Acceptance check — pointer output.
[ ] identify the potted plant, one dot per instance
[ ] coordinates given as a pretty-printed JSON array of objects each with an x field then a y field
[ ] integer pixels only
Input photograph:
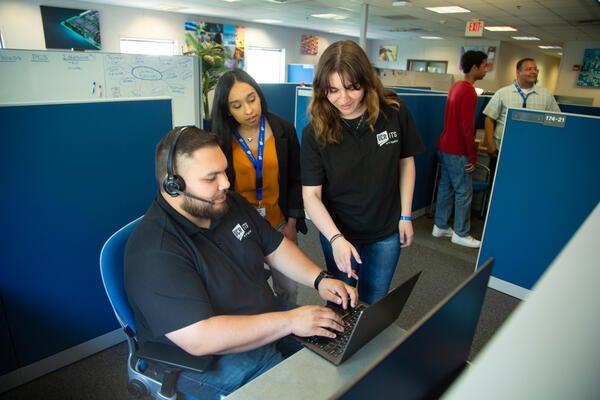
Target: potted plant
[{"x": 212, "y": 56}]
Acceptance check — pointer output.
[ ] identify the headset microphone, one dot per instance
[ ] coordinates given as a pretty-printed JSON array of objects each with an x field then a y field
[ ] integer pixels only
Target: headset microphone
[
  {"x": 186, "y": 194},
  {"x": 173, "y": 184}
]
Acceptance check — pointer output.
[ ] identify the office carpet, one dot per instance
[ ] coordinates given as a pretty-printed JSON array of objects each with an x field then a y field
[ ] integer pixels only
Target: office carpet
[{"x": 444, "y": 266}]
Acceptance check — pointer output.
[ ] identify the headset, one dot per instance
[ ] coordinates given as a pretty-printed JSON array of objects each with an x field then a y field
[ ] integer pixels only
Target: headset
[{"x": 174, "y": 184}]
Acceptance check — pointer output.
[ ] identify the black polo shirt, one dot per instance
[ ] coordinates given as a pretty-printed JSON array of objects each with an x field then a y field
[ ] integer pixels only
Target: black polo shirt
[
  {"x": 360, "y": 176},
  {"x": 177, "y": 274}
]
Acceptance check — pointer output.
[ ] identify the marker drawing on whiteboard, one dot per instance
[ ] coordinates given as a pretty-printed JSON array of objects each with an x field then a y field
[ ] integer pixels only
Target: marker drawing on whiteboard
[{"x": 93, "y": 88}]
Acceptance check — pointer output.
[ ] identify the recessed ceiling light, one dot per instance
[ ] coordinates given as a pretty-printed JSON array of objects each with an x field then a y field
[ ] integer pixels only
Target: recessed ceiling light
[
  {"x": 231, "y": 1},
  {"x": 431, "y": 37},
  {"x": 267, "y": 21},
  {"x": 500, "y": 28},
  {"x": 328, "y": 16},
  {"x": 448, "y": 10},
  {"x": 399, "y": 3},
  {"x": 550, "y": 47},
  {"x": 169, "y": 7},
  {"x": 526, "y": 38}
]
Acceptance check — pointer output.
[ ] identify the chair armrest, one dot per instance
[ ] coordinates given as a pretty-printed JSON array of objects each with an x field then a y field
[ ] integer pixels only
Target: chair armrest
[{"x": 173, "y": 357}]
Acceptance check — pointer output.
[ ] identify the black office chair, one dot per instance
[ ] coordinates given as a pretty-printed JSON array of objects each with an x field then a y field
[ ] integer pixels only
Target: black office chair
[
  {"x": 152, "y": 368},
  {"x": 481, "y": 184}
]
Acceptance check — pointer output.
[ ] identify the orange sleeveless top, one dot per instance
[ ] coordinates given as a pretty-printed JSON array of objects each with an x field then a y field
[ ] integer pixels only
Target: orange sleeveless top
[{"x": 245, "y": 177}]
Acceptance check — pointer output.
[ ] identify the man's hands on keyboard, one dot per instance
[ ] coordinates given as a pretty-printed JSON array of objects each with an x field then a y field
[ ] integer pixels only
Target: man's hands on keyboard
[{"x": 316, "y": 321}]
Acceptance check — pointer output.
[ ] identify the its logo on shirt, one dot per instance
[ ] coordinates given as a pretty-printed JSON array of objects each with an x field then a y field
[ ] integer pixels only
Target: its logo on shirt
[
  {"x": 386, "y": 137},
  {"x": 240, "y": 231}
]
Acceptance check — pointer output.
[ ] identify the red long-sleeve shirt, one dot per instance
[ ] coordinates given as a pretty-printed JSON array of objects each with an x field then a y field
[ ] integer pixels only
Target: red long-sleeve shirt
[{"x": 458, "y": 136}]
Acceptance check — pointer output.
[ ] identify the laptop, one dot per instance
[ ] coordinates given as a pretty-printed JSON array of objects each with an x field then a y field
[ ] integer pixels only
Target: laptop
[
  {"x": 363, "y": 323},
  {"x": 427, "y": 359}
]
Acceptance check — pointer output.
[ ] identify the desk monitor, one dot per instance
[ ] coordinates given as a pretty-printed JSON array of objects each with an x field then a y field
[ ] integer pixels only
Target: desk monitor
[{"x": 427, "y": 359}]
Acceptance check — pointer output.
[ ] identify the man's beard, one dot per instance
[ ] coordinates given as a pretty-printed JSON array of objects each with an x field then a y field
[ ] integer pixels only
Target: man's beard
[{"x": 200, "y": 209}]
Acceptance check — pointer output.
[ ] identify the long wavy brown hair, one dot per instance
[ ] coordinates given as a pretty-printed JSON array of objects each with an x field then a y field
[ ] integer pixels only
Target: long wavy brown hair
[{"x": 349, "y": 60}]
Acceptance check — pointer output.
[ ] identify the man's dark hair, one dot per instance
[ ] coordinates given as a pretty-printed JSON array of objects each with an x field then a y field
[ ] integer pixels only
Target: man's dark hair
[
  {"x": 472, "y": 58},
  {"x": 190, "y": 140},
  {"x": 521, "y": 61}
]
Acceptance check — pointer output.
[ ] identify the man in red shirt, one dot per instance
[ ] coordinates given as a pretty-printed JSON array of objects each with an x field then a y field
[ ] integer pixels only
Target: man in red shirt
[{"x": 458, "y": 154}]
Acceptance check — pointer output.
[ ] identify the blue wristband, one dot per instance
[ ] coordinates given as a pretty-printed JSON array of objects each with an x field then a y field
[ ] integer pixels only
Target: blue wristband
[{"x": 405, "y": 218}]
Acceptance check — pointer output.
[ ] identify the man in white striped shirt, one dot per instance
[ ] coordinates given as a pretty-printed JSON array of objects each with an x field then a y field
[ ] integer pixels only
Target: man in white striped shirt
[{"x": 524, "y": 93}]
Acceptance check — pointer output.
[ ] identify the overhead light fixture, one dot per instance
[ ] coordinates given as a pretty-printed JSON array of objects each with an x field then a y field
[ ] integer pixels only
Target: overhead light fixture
[
  {"x": 431, "y": 37},
  {"x": 526, "y": 38},
  {"x": 328, "y": 16},
  {"x": 448, "y": 10},
  {"x": 550, "y": 47},
  {"x": 267, "y": 21},
  {"x": 500, "y": 29},
  {"x": 169, "y": 7},
  {"x": 399, "y": 3}
]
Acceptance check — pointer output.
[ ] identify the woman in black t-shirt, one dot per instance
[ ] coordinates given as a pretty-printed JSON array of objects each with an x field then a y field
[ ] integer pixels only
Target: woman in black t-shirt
[{"x": 358, "y": 170}]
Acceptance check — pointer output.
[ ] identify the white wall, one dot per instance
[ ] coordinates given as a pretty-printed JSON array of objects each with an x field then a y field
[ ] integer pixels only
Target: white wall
[
  {"x": 21, "y": 27},
  {"x": 503, "y": 73},
  {"x": 510, "y": 54}
]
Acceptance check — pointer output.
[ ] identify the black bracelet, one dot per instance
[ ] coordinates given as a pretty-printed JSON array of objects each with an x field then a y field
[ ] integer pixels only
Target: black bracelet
[
  {"x": 319, "y": 278},
  {"x": 334, "y": 237}
]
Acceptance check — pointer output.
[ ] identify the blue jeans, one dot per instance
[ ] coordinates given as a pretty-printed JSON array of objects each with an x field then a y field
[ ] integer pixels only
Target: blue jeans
[
  {"x": 379, "y": 261},
  {"x": 454, "y": 177},
  {"x": 231, "y": 371}
]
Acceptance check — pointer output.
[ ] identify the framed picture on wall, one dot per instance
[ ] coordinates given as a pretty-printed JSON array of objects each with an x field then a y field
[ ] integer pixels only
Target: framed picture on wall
[
  {"x": 309, "y": 44},
  {"x": 71, "y": 28},
  {"x": 388, "y": 53},
  {"x": 590, "y": 69}
]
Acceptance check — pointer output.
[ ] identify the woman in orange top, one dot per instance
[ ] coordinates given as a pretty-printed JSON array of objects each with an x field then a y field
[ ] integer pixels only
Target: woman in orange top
[{"x": 264, "y": 159}]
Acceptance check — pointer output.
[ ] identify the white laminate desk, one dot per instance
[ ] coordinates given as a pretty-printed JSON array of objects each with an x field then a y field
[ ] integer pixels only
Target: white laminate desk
[{"x": 306, "y": 375}]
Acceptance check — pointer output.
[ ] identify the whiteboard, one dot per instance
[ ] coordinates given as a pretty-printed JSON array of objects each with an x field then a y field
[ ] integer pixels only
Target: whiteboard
[{"x": 46, "y": 75}]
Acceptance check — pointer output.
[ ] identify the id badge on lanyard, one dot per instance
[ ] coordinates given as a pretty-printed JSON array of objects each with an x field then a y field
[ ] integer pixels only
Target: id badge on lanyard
[{"x": 256, "y": 162}]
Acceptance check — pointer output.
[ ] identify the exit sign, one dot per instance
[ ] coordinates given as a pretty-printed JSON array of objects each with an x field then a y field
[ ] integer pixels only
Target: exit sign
[{"x": 474, "y": 28}]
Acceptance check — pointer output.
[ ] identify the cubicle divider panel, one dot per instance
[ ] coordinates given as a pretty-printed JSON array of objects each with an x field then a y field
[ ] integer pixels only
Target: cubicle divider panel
[
  {"x": 546, "y": 184},
  {"x": 280, "y": 98},
  {"x": 74, "y": 173},
  {"x": 427, "y": 111},
  {"x": 579, "y": 109}
]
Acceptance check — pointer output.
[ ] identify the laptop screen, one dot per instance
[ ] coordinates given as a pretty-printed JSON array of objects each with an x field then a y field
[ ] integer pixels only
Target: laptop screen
[{"x": 433, "y": 352}]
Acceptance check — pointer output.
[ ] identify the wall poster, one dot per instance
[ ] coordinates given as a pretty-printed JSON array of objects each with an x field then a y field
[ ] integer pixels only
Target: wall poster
[
  {"x": 388, "y": 53},
  {"x": 590, "y": 69},
  {"x": 223, "y": 34},
  {"x": 70, "y": 28},
  {"x": 309, "y": 44}
]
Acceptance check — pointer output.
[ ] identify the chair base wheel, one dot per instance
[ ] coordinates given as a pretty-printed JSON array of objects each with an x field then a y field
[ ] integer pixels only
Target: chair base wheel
[{"x": 137, "y": 389}]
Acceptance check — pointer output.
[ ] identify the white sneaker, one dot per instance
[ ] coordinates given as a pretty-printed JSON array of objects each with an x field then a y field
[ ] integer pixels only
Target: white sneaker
[
  {"x": 439, "y": 232},
  {"x": 467, "y": 241}
]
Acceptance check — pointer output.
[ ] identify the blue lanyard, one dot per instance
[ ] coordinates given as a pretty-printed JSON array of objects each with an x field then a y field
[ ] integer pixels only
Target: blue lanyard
[
  {"x": 523, "y": 95},
  {"x": 257, "y": 163}
]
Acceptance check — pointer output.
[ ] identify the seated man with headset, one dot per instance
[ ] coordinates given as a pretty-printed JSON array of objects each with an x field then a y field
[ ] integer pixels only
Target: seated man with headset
[{"x": 194, "y": 272}]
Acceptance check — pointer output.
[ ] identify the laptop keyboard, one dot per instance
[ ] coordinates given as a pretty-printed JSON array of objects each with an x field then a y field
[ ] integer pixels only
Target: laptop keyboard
[{"x": 336, "y": 346}]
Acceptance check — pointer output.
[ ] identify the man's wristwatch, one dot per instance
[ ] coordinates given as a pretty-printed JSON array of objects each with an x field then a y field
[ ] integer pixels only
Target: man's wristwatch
[{"x": 320, "y": 277}]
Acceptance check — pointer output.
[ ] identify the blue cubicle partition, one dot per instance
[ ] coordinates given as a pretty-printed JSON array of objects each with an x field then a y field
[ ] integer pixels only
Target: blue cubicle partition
[
  {"x": 74, "y": 173},
  {"x": 579, "y": 109},
  {"x": 546, "y": 184},
  {"x": 280, "y": 98}
]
